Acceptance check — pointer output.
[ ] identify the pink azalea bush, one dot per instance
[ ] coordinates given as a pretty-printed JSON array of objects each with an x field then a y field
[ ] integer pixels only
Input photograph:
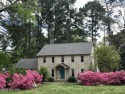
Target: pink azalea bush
[
  {"x": 19, "y": 80},
  {"x": 3, "y": 79},
  {"x": 88, "y": 78},
  {"x": 25, "y": 81},
  {"x": 95, "y": 78},
  {"x": 35, "y": 76},
  {"x": 2, "y": 82}
]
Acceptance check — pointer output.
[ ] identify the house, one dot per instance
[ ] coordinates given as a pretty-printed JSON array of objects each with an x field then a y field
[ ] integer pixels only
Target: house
[
  {"x": 65, "y": 60},
  {"x": 29, "y": 63},
  {"x": 62, "y": 60}
]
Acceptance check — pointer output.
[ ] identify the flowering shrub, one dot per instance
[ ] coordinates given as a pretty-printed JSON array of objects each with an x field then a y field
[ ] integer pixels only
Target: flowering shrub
[
  {"x": 25, "y": 81},
  {"x": 35, "y": 76},
  {"x": 115, "y": 78},
  {"x": 3, "y": 78},
  {"x": 88, "y": 78},
  {"x": 94, "y": 78},
  {"x": 5, "y": 75},
  {"x": 2, "y": 82},
  {"x": 19, "y": 80}
]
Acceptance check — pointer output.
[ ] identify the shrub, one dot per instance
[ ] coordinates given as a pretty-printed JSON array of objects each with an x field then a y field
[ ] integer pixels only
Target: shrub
[
  {"x": 88, "y": 78},
  {"x": 50, "y": 79},
  {"x": 43, "y": 70},
  {"x": 95, "y": 78},
  {"x": 17, "y": 70},
  {"x": 2, "y": 82},
  {"x": 25, "y": 81},
  {"x": 116, "y": 78},
  {"x": 3, "y": 78},
  {"x": 71, "y": 79},
  {"x": 37, "y": 78}
]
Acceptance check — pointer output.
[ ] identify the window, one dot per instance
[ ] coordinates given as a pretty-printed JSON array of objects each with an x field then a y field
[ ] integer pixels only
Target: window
[
  {"x": 82, "y": 58},
  {"x": 72, "y": 72},
  {"x": 44, "y": 59},
  {"x": 62, "y": 58},
  {"x": 82, "y": 70},
  {"x": 52, "y": 73},
  {"x": 53, "y": 59},
  {"x": 72, "y": 58}
]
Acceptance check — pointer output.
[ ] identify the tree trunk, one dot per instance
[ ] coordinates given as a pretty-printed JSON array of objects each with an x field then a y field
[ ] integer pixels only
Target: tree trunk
[
  {"x": 29, "y": 40},
  {"x": 92, "y": 27},
  {"x": 108, "y": 23}
]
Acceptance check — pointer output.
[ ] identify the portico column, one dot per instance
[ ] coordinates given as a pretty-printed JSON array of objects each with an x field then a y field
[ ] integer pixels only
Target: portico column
[
  {"x": 65, "y": 74},
  {"x": 54, "y": 73}
]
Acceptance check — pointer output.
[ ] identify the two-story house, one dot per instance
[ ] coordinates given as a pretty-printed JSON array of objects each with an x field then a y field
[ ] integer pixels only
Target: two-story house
[
  {"x": 62, "y": 60},
  {"x": 65, "y": 60}
]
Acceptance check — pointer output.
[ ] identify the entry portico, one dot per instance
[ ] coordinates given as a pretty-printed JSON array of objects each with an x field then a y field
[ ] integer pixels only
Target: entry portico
[{"x": 61, "y": 71}]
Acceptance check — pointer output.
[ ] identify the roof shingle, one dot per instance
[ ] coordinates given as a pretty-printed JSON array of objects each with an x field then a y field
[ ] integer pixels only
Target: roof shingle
[
  {"x": 66, "y": 49},
  {"x": 30, "y": 63}
]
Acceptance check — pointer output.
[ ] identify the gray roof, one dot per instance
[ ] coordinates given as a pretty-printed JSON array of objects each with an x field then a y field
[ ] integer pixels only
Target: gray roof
[
  {"x": 66, "y": 49},
  {"x": 61, "y": 64},
  {"x": 30, "y": 63}
]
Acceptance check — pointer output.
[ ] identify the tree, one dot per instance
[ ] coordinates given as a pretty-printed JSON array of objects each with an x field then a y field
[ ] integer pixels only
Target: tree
[
  {"x": 115, "y": 10},
  {"x": 60, "y": 19},
  {"x": 93, "y": 13},
  {"x": 21, "y": 30},
  {"x": 5, "y": 5},
  {"x": 120, "y": 6},
  {"x": 108, "y": 58},
  {"x": 4, "y": 60},
  {"x": 118, "y": 41}
]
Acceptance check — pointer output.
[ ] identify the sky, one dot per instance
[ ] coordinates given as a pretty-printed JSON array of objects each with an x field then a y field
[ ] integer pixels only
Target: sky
[{"x": 80, "y": 3}]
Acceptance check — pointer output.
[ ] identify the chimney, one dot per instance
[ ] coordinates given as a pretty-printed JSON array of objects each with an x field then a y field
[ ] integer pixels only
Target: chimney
[{"x": 94, "y": 42}]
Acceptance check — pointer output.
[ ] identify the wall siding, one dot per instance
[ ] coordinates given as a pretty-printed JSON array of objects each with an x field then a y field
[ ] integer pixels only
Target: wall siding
[{"x": 77, "y": 65}]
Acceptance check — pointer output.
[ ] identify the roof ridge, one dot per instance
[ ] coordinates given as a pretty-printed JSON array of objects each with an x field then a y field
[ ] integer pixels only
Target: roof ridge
[{"x": 68, "y": 43}]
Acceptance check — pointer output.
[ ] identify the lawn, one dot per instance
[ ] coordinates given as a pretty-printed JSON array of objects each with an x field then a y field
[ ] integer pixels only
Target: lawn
[{"x": 69, "y": 88}]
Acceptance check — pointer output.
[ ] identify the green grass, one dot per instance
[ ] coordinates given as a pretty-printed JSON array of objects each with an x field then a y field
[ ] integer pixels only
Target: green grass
[{"x": 70, "y": 88}]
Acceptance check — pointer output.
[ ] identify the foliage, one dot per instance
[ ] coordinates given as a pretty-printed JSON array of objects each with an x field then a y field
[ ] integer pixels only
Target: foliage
[
  {"x": 62, "y": 21},
  {"x": 2, "y": 82},
  {"x": 91, "y": 67},
  {"x": 90, "y": 78},
  {"x": 118, "y": 41},
  {"x": 21, "y": 81},
  {"x": 71, "y": 79},
  {"x": 17, "y": 70},
  {"x": 21, "y": 31},
  {"x": 25, "y": 81},
  {"x": 50, "y": 79},
  {"x": 4, "y": 59},
  {"x": 108, "y": 58},
  {"x": 43, "y": 70},
  {"x": 93, "y": 13},
  {"x": 3, "y": 78}
]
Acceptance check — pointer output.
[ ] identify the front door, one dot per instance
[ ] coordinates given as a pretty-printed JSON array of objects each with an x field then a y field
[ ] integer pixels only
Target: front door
[{"x": 62, "y": 73}]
